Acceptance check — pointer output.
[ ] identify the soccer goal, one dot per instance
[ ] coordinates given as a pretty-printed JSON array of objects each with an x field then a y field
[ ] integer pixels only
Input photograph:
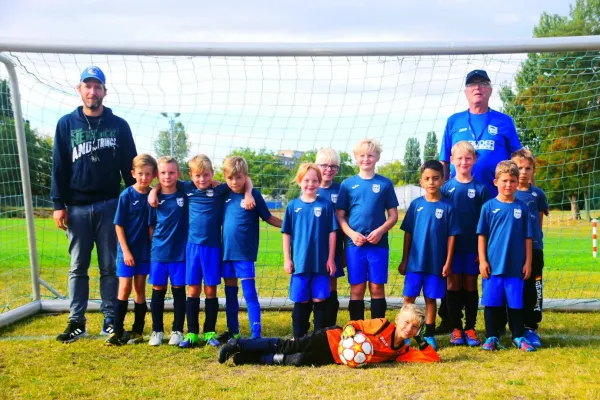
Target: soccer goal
[{"x": 276, "y": 104}]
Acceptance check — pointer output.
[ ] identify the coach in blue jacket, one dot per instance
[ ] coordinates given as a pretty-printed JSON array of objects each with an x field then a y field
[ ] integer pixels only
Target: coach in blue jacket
[{"x": 93, "y": 150}]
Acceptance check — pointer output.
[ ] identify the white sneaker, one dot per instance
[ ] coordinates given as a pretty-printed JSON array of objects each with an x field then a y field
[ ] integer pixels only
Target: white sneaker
[
  {"x": 175, "y": 338},
  {"x": 156, "y": 338}
]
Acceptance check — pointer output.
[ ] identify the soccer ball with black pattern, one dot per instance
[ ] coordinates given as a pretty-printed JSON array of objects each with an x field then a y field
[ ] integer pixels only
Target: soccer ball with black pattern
[{"x": 356, "y": 351}]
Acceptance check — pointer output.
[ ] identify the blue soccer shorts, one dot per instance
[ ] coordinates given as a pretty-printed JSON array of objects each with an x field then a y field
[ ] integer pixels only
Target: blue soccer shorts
[
  {"x": 464, "y": 263},
  {"x": 367, "y": 263},
  {"x": 499, "y": 288},
  {"x": 304, "y": 287},
  {"x": 160, "y": 272},
  {"x": 238, "y": 269},
  {"x": 125, "y": 271},
  {"x": 202, "y": 262},
  {"x": 434, "y": 286},
  {"x": 339, "y": 269}
]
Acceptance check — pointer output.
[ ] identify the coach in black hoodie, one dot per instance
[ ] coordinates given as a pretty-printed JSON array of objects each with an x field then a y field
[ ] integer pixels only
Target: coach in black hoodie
[{"x": 93, "y": 150}]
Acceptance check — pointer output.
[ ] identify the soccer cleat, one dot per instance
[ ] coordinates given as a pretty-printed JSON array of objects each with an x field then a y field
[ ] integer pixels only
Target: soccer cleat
[
  {"x": 230, "y": 348},
  {"x": 156, "y": 338},
  {"x": 113, "y": 340},
  {"x": 190, "y": 340},
  {"x": 522, "y": 344},
  {"x": 108, "y": 327},
  {"x": 73, "y": 332},
  {"x": 533, "y": 338},
  {"x": 226, "y": 336},
  {"x": 430, "y": 340},
  {"x": 492, "y": 343},
  {"x": 133, "y": 337},
  {"x": 175, "y": 338},
  {"x": 210, "y": 338},
  {"x": 471, "y": 338},
  {"x": 456, "y": 337}
]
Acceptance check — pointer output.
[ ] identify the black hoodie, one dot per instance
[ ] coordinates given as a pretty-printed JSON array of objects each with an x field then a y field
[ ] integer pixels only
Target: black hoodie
[{"x": 90, "y": 157}]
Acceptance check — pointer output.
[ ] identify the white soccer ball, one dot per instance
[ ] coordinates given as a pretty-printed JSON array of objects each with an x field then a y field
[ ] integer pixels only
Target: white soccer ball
[{"x": 355, "y": 351}]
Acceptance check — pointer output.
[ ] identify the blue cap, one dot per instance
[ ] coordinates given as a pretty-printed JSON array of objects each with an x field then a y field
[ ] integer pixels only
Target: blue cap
[
  {"x": 477, "y": 72},
  {"x": 93, "y": 72}
]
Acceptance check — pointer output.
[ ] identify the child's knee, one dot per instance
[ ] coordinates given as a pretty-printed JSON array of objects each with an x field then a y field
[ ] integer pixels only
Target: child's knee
[{"x": 194, "y": 290}]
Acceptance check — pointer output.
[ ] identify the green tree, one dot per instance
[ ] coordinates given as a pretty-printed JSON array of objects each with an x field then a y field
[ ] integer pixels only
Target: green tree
[
  {"x": 393, "y": 170},
  {"x": 5, "y": 102},
  {"x": 412, "y": 161},
  {"x": 556, "y": 108},
  {"x": 162, "y": 145},
  {"x": 430, "y": 151}
]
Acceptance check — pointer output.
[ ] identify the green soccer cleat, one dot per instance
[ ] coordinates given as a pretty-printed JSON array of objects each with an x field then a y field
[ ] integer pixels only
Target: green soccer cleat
[
  {"x": 210, "y": 338},
  {"x": 190, "y": 340}
]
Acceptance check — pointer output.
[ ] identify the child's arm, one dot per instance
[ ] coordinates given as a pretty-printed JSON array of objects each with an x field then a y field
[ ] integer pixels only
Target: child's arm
[
  {"x": 249, "y": 202},
  {"x": 528, "y": 256},
  {"x": 447, "y": 270},
  {"x": 274, "y": 221},
  {"x": 405, "y": 252},
  {"x": 153, "y": 196},
  {"x": 331, "y": 258},
  {"x": 484, "y": 266},
  {"x": 375, "y": 235},
  {"x": 288, "y": 264},
  {"x": 356, "y": 237},
  {"x": 127, "y": 256}
]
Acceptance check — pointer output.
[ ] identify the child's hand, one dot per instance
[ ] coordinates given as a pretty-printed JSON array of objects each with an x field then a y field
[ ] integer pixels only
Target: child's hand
[
  {"x": 128, "y": 258},
  {"x": 249, "y": 202},
  {"x": 375, "y": 236},
  {"x": 288, "y": 266},
  {"x": 526, "y": 271},
  {"x": 446, "y": 270},
  {"x": 402, "y": 267},
  {"x": 331, "y": 267},
  {"x": 484, "y": 269},
  {"x": 348, "y": 332},
  {"x": 153, "y": 199},
  {"x": 358, "y": 239},
  {"x": 214, "y": 183}
]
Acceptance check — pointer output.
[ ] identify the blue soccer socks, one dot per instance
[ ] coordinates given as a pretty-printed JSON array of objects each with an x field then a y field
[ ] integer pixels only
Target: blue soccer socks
[{"x": 251, "y": 297}]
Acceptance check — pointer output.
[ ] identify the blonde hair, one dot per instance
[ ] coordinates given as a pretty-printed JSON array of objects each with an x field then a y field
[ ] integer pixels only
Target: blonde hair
[
  {"x": 303, "y": 170},
  {"x": 368, "y": 144},
  {"x": 329, "y": 155},
  {"x": 168, "y": 160},
  {"x": 464, "y": 145},
  {"x": 144, "y": 160},
  {"x": 414, "y": 314},
  {"x": 200, "y": 163},
  {"x": 235, "y": 165},
  {"x": 525, "y": 154},
  {"x": 507, "y": 167}
]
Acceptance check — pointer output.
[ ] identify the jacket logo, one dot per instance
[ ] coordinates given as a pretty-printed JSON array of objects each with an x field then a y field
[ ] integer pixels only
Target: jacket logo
[
  {"x": 451, "y": 190},
  {"x": 517, "y": 213},
  {"x": 298, "y": 209},
  {"x": 210, "y": 193},
  {"x": 135, "y": 202},
  {"x": 471, "y": 193},
  {"x": 439, "y": 213},
  {"x": 189, "y": 194},
  {"x": 318, "y": 211},
  {"x": 180, "y": 202},
  {"x": 334, "y": 198},
  {"x": 376, "y": 188},
  {"x": 492, "y": 129},
  {"x": 160, "y": 202},
  {"x": 243, "y": 203},
  {"x": 355, "y": 186},
  {"x": 419, "y": 209},
  {"x": 534, "y": 194}
]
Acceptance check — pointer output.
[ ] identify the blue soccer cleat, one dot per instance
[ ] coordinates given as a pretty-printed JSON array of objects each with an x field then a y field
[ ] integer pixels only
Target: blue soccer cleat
[
  {"x": 522, "y": 344},
  {"x": 456, "y": 337},
  {"x": 492, "y": 343},
  {"x": 471, "y": 338},
  {"x": 430, "y": 340},
  {"x": 533, "y": 338}
]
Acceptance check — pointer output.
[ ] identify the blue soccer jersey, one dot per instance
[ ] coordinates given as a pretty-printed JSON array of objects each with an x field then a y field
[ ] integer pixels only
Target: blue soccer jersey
[
  {"x": 170, "y": 221},
  {"x": 467, "y": 198},
  {"x": 309, "y": 225},
  {"x": 431, "y": 224},
  {"x": 206, "y": 213},
  {"x": 365, "y": 202},
  {"x": 535, "y": 198},
  {"x": 331, "y": 194},
  {"x": 240, "y": 226},
  {"x": 506, "y": 226},
  {"x": 132, "y": 214},
  {"x": 493, "y": 135}
]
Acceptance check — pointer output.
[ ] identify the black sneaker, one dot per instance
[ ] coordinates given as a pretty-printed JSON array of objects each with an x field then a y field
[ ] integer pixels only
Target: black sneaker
[
  {"x": 226, "y": 336},
  {"x": 113, "y": 340},
  {"x": 125, "y": 337},
  {"x": 230, "y": 348},
  {"x": 74, "y": 331}
]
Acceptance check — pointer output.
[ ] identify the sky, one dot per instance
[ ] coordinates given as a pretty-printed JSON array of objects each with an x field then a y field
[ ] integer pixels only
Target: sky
[{"x": 277, "y": 103}]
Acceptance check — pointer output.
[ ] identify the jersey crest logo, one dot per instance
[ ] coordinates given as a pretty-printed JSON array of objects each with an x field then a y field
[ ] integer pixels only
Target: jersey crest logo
[
  {"x": 210, "y": 193},
  {"x": 334, "y": 198},
  {"x": 243, "y": 203},
  {"x": 376, "y": 188},
  {"x": 517, "y": 213},
  {"x": 317, "y": 211},
  {"x": 492, "y": 129},
  {"x": 439, "y": 213},
  {"x": 471, "y": 193},
  {"x": 180, "y": 201},
  {"x": 135, "y": 202}
]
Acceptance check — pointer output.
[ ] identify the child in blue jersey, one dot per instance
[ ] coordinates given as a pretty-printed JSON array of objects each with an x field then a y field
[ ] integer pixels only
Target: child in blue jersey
[
  {"x": 309, "y": 238},
  {"x": 468, "y": 196},
  {"x": 362, "y": 204},
  {"x": 328, "y": 161},
  {"x": 504, "y": 245},
  {"x": 133, "y": 253},
  {"x": 430, "y": 227},
  {"x": 203, "y": 248},
  {"x": 240, "y": 247},
  {"x": 168, "y": 230},
  {"x": 535, "y": 198}
]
